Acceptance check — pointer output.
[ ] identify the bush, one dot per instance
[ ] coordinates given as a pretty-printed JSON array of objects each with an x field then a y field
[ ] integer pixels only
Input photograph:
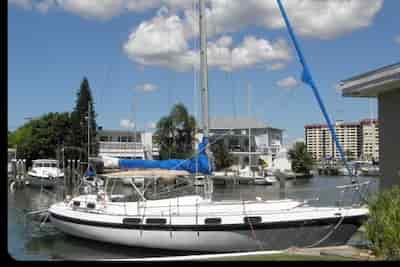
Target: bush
[{"x": 383, "y": 226}]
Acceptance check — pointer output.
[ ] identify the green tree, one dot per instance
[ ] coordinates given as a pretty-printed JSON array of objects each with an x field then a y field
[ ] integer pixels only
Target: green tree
[
  {"x": 175, "y": 133},
  {"x": 79, "y": 120},
  {"x": 383, "y": 225},
  {"x": 222, "y": 158},
  {"x": 42, "y": 137},
  {"x": 302, "y": 161}
]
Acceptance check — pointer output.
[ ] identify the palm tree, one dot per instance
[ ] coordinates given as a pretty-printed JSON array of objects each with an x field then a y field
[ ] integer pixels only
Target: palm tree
[
  {"x": 223, "y": 159},
  {"x": 175, "y": 133},
  {"x": 302, "y": 161}
]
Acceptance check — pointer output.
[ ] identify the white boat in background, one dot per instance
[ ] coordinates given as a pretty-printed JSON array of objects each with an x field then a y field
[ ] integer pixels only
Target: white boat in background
[
  {"x": 282, "y": 166},
  {"x": 199, "y": 180},
  {"x": 372, "y": 170},
  {"x": 268, "y": 180},
  {"x": 11, "y": 158},
  {"x": 256, "y": 176},
  {"x": 93, "y": 181},
  {"x": 44, "y": 172}
]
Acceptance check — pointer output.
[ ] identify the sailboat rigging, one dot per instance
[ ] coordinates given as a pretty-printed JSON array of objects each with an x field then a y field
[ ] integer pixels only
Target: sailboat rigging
[{"x": 193, "y": 223}]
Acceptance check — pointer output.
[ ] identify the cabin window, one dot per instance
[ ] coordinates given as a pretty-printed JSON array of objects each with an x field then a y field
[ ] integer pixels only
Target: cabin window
[
  {"x": 76, "y": 203},
  {"x": 131, "y": 221},
  {"x": 252, "y": 220},
  {"x": 91, "y": 205},
  {"x": 212, "y": 221},
  {"x": 156, "y": 221}
]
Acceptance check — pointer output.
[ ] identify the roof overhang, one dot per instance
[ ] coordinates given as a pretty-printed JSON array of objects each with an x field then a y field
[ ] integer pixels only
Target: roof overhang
[{"x": 373, "y": 83}]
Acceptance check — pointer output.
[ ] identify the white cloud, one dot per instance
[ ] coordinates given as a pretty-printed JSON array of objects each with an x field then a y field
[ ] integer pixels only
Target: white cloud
[
  {"x": 42, "y": 6},
  {"x": 276, "y": 66},
  {"x": 101, "y": 9},
  {"x": 163, "y": 41},
  {"x": 147, "y": 87},
  {"x": 315, "y": 18},
  {"x": 289, "y": 82},
  {"x": 126, "y": 124},
  {"x": 397, "y": 39},
  {"x": 25, "y": 4},
  {"x": 45, "y": 5}
]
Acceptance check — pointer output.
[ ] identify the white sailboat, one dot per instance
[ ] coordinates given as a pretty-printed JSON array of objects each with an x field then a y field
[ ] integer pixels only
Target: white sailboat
[{"x": 196, "y": 223}]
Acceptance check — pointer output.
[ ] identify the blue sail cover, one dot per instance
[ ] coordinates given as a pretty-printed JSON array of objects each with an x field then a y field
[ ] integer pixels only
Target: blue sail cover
[{"x": 198, "y": 164}]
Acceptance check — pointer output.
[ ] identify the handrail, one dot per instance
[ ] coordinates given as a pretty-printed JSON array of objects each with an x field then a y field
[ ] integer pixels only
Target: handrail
[{"x": 197, "y": 213}]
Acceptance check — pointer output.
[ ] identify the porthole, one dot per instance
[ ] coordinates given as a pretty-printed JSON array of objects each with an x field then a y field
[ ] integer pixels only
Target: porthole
[{"x": 212, "y": 221}]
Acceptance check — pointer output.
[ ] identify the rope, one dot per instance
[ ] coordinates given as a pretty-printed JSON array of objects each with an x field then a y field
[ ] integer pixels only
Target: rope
[
  {"x": 328, "y": 234},
  {"x": 251, "y": 228}
]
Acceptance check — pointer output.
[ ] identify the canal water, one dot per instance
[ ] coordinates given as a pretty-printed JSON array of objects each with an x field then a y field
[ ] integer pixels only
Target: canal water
[{"x": 26, "y": 242}]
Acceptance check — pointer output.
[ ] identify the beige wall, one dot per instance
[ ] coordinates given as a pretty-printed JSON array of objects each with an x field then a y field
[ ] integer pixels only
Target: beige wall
[{"x": 389, "y": 131}]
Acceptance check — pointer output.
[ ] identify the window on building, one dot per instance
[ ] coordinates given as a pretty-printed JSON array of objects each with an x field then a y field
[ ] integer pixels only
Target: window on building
[
  {"x": 103, "y": 138},
  {"x": 122, "y": 139}
]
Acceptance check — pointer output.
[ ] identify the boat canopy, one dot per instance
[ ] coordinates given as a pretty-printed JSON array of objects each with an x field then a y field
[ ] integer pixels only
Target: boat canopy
[{"x": 197, "y": 164}]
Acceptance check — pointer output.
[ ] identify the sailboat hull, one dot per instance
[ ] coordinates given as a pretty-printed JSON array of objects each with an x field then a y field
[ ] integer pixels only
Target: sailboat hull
[{"x": 221, "y": 238}]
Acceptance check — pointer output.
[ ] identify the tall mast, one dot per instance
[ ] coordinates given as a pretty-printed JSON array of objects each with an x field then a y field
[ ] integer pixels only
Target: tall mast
[
  {"x": 203, "y": 68},
  {"x": 88, "y": 125},
  {"x": 248, "y": 111}
]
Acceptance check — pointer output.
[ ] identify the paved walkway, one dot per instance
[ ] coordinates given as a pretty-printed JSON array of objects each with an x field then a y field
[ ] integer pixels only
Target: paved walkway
[{"x": 342, "y": 251}]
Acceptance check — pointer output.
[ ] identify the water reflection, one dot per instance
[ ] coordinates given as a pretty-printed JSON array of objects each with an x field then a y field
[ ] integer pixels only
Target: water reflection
[{"x": 23, "y": 244}]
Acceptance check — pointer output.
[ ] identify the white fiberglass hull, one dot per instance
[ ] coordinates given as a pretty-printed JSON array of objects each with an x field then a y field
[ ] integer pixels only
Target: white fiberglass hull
[
  {"x": 211, "y": 241},
  {"x": 35, "y": 180},
  {"x": 181, "y": 233}
]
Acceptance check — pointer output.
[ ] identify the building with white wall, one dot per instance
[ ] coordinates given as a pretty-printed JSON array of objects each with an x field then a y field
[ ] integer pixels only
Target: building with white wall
[
  {"x": 359, "y": 140},
  {"x": 127, "y": 144},
  {"x": 321, "y": 145},
  {"x": 383, "y": 84},
  {"x": 264, "y": 139}
]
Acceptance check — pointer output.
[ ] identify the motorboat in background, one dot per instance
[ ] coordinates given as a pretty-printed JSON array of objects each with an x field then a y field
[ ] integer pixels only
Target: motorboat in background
[
  {"x": 269, "y": 179},
  {"x": 370, "y": 170},
  {"x": 256, "y": 176},
  {"x": 44, "y": 172}
]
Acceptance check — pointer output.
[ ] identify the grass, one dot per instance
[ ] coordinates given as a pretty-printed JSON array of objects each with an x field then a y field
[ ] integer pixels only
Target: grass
[{"x": 283, "y": 257}]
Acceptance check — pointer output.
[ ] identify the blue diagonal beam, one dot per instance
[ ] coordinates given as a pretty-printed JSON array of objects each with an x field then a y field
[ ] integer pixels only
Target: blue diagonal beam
[{"x": 308, "y": 79}]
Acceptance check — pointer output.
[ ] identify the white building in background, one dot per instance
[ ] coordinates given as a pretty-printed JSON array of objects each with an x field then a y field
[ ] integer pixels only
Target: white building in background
[
  {"x": 359, "y": 140},
  {"x": 266, "y": 141},
  {"x": 370, "y": 139},
  {"x": 127, "y": 144}
]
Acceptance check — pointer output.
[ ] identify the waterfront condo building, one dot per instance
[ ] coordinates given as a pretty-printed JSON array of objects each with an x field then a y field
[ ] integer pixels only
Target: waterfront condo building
[
  {"x": 370, "y": 139},
  {"x": 359, "y": 140}
]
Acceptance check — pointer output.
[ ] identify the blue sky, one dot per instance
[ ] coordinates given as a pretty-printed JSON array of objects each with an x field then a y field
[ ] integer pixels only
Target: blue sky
[{"x": 123, "y": 49}]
